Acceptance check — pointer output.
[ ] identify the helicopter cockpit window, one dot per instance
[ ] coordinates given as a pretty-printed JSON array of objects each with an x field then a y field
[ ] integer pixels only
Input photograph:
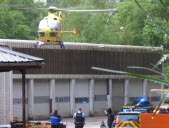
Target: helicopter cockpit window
[
  {"x": 52, "y": 11},
  {"x": 54, "y": 25}
]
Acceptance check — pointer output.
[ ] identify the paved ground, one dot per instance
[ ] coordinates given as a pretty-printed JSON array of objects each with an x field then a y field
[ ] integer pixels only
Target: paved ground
[{"x": 91, "y": 122}]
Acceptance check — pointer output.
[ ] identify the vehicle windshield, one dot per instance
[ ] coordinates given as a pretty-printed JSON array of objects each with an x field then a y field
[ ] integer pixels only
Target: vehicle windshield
[
  {"x": 123, "y": 118},
  {"x": 141, "y": 104},
  {"x": 134, "y": 102}
]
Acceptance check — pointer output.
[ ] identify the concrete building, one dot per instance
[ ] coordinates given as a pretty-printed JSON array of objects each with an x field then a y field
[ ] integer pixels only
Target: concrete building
[{"x": 67, "y": 82}]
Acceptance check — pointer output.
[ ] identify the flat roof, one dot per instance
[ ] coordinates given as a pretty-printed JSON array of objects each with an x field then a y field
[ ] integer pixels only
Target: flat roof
[{"x": 82, "y": 46}]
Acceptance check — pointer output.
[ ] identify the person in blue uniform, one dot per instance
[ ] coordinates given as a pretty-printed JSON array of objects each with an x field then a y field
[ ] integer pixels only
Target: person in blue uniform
[
  {"x": 79, "y": 119},
  {"x": 55, "y": 119}
]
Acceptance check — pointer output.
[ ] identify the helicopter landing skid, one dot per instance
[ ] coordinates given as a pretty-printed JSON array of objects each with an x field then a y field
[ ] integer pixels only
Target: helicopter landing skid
[
  {"x": 39, "y": 44},
  {"x": 61, "y": 44}
]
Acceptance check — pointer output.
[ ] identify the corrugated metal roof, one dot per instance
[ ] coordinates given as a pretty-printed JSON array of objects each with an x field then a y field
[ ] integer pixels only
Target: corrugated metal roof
[{"x": 9, "y": 56}]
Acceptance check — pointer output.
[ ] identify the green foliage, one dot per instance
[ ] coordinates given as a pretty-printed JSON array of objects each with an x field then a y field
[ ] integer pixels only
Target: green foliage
[
  {"x": 19, "y": 24},
  {"x": 148, "y": 27},
  {"x": 146, "y": 22},
  {"x": 127, "y": 16},
  {"x": 166, "y": 72},
  {"x": 14, "y": 28},
  {"x": 133, "y": 23},
  {"x": 58, "y": 3}
]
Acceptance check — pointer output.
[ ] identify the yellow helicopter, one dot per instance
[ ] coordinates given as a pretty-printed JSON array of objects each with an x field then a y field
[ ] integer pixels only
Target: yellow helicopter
[{"x": 50, "y": 29}]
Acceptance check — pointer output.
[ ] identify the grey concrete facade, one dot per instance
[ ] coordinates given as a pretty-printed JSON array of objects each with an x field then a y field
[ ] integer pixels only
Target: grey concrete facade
[{"x": 66, "y": 95}]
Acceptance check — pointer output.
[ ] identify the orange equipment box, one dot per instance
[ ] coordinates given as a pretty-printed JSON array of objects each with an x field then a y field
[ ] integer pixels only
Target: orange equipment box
[{"x": 159, "y": 120}]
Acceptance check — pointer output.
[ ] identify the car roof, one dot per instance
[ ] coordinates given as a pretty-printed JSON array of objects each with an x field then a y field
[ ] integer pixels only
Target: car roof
[{"x": 129, "y": 113}]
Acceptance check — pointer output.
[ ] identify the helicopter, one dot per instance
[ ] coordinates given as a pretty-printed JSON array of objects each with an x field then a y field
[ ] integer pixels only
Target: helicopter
[{"x": 50, "y": 29}]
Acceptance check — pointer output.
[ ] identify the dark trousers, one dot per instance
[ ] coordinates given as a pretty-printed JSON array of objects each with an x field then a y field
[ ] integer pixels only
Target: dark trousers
[
  {"x": 55, "y": 126},
  {"x": 79, "y": 125},
  {"x": 109, "y": 126}
]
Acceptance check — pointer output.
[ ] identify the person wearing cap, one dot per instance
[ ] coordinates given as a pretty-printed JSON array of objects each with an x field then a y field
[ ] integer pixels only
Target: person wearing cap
[
  {"x": 79, "y": 118},
  {"x": 55, "y": 119}
]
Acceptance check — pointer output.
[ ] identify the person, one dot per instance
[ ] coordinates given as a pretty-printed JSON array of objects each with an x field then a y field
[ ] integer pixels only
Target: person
[
  {"x": 110, "y": 117},
  {"x": 79, "y": 118},
  {"x": 103, "y": 125},
  {"x": 55, "y": 119}
]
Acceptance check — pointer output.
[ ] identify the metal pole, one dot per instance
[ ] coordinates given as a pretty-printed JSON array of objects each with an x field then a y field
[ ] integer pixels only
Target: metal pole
[{"x": 23, "y": 98}]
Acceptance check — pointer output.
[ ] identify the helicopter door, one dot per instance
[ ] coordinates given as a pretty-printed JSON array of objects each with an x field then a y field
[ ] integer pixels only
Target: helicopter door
[{"x": 54, "y": 25}]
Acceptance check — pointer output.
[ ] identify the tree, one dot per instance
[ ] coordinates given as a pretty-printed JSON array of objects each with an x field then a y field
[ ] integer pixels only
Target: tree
[
  {"x": 91, "y": 26},
  {"x": 17, "y": 23},
  {"x": 147, "y": 22}
]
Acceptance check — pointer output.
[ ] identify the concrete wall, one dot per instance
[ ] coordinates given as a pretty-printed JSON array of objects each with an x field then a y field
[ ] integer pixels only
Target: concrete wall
[
  {"x": 41, "y": 99},
  {"x": 135, "y": 88},
  {"x": 118, "y": 94},
  {"x": 100, "y": 99},
  {"x": 155, "y": 97},
  {"x": 17, "y": 99},
  {"x": 82, "y": 95},
  {"x": 6, "y": 113},
  {"x": 50, "y": 94},
  {"x": 62, "y": 97}
]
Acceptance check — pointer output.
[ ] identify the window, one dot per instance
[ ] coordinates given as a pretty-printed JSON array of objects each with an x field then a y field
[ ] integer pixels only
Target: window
[
  {"x": 82, "y": 100},
  {"x": 62, "y": 99}
]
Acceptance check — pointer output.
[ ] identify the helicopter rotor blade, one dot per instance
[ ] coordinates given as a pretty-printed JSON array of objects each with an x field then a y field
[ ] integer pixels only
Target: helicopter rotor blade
[{"x": 98, "y": 10}]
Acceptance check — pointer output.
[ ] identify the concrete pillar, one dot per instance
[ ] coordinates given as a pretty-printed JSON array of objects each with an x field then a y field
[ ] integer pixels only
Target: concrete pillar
[
  {"x": 91, "y": 97},
  {"x": 30, "y": 94},
  {"x": 11, "y": 95},
  {"x": 72, "y": 96},
  {"x": 5, "y": 98},
  {"x": 144, "y": 89},
  {"x": 52, "y": 95},
  {"x": 109, "y": 97},
  {"x": 126, "y": 87}
]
